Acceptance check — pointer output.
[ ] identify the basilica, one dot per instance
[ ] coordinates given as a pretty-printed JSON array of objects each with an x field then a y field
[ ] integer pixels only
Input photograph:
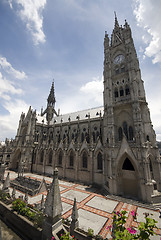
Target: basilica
[{"x": 113, "y": 146}]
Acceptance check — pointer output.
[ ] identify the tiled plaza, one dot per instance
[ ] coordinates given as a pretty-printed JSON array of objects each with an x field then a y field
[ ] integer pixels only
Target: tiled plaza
[{"x": 95, "y": 210}]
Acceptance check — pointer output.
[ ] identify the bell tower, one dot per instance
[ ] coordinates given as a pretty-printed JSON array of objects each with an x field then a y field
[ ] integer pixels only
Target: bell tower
[{"x": 128, "y": 133}]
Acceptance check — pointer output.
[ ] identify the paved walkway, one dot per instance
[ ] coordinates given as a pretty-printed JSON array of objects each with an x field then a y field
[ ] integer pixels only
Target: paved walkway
[{"x": 95, "y": 210}]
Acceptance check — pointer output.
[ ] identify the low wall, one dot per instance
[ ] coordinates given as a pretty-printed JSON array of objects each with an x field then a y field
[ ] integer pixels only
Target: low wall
[{"x": 19, "y": 224}]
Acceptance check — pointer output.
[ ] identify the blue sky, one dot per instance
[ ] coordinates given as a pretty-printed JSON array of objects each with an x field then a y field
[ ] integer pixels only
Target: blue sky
[{"x": 63, "y": 39}]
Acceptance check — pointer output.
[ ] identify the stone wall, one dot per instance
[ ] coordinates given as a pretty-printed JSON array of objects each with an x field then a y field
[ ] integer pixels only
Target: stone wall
[{"x": 23, "y": 227}]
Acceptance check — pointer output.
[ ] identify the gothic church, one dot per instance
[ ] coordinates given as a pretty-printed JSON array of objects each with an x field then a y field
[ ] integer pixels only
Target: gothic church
[{"x": 113, "y": 146}]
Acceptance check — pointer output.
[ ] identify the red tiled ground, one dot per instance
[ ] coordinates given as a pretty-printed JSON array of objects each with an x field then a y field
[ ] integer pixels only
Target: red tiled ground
[{"x": 104, "y": 231}]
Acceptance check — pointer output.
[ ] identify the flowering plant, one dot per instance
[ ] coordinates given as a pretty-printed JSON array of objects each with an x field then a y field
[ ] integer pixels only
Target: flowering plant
[{"x": 144, "y": 230}]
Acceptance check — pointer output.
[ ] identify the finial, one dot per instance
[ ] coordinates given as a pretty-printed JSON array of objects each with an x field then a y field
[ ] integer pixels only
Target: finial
[{"x": 116, "y": 21}]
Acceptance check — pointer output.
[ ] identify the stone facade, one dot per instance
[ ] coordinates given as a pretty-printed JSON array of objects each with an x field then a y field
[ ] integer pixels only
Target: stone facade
[{"x": 113, "y": 146}]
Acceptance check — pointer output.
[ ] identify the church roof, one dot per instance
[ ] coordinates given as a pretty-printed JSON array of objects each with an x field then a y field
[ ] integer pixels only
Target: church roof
[{"x": 92, "y": 113}]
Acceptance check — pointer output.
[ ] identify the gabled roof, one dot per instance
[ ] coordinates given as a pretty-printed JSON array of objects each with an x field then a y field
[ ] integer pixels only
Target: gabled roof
[{"x": 92, "y": 113}]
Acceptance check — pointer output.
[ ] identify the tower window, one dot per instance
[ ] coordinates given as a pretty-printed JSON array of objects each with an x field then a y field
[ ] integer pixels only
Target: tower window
[
  {"x": 120, "y": 133},
  {"x": 99, "y": 161},
  {"x": 123, "y": 68},
  {"x": 84, "y": 160},
  {"x": 127, "y": 90},
  {"x": 125, "y": 129},
  {"x": 121, "y": 92},
  {"x": 116, "y": 93},
  {"x": 131, "y": 135},
  {"x": 128, "y": 165},
  {"x": 117, "y": 70}
]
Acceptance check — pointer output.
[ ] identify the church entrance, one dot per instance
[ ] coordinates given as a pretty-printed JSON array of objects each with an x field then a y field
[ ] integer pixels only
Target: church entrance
[
  {"x": 16, "y": 159},
  {"x": 129, "y": 180}
]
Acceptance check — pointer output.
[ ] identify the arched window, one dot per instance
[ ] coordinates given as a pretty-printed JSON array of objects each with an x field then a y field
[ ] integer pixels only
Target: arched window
[
  {"x": 84, "y": 160},
  {"x": 87, "y": 137},
  {"x": 122, "y": 68},
  {"x": 60, "y": 158},
  {"x": 121, "y": 92},
  {"x": 151, "y": 169},
  {"x": 116, "y": 93},
  {"x": 128, "y": 165},
  {"x": 127, "y": 90},
  {"x": 71, "y": 159},
  {"x": 82, "y": 137},
  {"x": 147, "y": 138},
  {"x": 125, "y": 129},
  {"x": 50, "y": 157},
  {"x": 42, "y": 157},
  {"x": 72, "y": 135},
  {"x": 120, "y": 133},
  {"x": 94, "y": 137},
  {"x": 97, "y": 134},
  {"x": 117, "y": 70},
  {"x": 99, "y": 161},
  {"x": 131, "y": 135}
]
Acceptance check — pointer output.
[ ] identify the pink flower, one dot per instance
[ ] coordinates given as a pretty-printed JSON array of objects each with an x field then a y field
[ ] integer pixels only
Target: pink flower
[
  {"x": 132, "y": 231},
  {"x": 109, "y": 227},
  {"x": 133, "y": 213}
]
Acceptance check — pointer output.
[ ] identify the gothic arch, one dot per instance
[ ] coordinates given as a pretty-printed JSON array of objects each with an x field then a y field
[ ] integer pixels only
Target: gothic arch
[{"x": 127, "y": 177}]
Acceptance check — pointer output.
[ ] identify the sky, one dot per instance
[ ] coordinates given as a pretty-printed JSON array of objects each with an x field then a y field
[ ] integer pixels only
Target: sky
[{"x": 63, "y": 40}]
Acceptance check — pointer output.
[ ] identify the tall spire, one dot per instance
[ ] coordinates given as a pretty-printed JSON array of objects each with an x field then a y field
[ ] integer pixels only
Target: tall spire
[
  {"x": 116, "y": 21},
  {"x": 51, "y": 98}
]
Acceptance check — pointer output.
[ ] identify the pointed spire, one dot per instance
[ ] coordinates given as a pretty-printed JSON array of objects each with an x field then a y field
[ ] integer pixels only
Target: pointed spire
[
  {"x": 116, "y": 21},
  {"x": 51, "y": 98},
  {"x": 74, "y": 216},
  {"x": 53, "y": 204},
  {"x": 6, "y": 184},
  {"x": 75, "y": 211}
]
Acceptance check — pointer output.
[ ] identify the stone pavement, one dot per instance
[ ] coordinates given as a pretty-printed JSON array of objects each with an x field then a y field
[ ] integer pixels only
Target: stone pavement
[{"x": 95, "y": 210}]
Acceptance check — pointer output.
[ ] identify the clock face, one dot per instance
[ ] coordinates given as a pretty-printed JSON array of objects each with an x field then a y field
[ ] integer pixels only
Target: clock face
[{"x": 118, "y": 59}]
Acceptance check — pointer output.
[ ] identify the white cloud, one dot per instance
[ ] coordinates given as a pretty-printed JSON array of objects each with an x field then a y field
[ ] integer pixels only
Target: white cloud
[
  {"x": 9, "y": 122},
  {"x": 88, "y": 96},
  {"x": 7, "y": 87},
  {"x": 93, "y": 90},
  {"x": 30, "y": 12},
  {"x": 6, "y": 66},
  {"x": 147, "y": 14}
]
